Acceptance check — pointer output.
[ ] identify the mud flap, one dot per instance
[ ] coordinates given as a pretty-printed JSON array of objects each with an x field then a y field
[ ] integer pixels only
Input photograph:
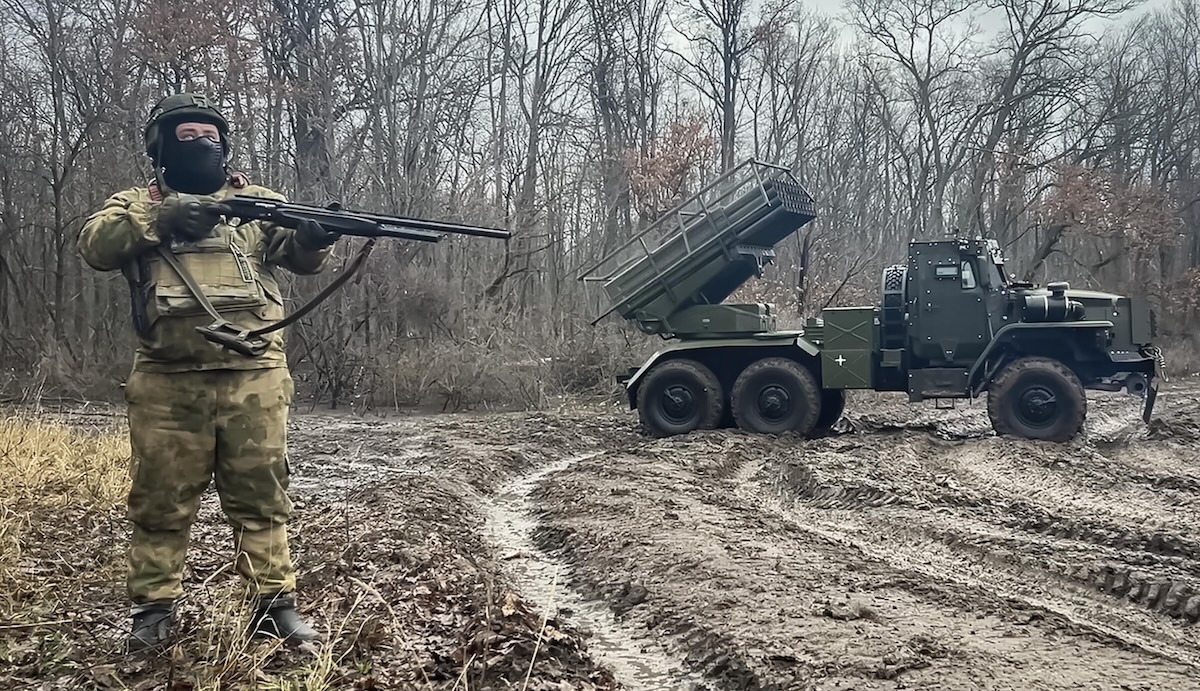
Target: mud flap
[{"x": 1151, "y": 395}]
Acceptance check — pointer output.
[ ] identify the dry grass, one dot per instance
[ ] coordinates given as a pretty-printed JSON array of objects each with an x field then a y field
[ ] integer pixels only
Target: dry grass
[{"x": 52, "y": 478}]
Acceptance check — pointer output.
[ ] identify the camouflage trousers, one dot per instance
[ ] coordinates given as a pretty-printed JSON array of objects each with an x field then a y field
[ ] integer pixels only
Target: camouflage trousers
[{"x": 192, "y": 427}]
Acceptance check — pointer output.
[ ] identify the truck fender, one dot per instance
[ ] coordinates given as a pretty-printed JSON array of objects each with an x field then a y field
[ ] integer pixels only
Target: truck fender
[{"x": 978, "y": 377}]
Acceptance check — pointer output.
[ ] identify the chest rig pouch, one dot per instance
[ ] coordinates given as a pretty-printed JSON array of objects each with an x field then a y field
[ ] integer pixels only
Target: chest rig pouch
[{"x": 228, "y": 277}]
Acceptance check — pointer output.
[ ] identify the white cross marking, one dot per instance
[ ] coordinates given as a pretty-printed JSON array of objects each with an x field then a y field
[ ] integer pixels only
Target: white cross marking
[{"x": 840, "y": 360}]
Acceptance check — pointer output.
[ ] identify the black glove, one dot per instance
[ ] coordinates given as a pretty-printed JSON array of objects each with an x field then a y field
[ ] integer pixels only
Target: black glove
[
  {"x": 186, "y": 217},
  {"x": 312, "y": 236}
]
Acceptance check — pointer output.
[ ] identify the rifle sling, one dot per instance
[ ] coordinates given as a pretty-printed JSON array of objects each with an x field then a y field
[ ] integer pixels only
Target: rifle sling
[
  {"x": 226, "y": 333},
  {"x": 355, "y": 265}
]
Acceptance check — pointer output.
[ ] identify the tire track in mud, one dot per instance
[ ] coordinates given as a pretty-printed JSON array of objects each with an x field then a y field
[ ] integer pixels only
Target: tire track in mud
[
  {"x": 892, "y": 541},
  {"x": 704, "y": 651},
  {"x": 819, "y": 496},
  {"x": 943, "y": 488},
  {"x": 1106, "y": 534},
  {"x": 1164, "y": 594},
  {"x": 929, "y": 553},
  {"x": 548, "y": 581},
  {"x": 760, "y": 603},
  {"x": 713, "y": 657},
  {"x": 929, "y": 539}
]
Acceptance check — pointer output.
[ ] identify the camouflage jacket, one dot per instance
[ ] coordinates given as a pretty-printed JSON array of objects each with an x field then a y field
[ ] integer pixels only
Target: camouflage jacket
[{"x": 235, "y": 266}]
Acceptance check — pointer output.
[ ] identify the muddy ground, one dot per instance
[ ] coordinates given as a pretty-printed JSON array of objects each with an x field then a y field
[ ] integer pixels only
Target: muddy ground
[{"x": 910, "y": 549}]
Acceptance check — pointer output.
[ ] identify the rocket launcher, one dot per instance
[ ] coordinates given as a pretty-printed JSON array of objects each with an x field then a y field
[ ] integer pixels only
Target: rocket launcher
[{"x": 670, "y": 278}]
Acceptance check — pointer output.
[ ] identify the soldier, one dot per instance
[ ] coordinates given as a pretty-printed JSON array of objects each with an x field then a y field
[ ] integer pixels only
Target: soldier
[{"x": 196, "y": 411}]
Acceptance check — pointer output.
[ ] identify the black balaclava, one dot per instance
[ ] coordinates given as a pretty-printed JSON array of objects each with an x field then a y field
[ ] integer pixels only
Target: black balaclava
[{"x": 194, "y": 167}]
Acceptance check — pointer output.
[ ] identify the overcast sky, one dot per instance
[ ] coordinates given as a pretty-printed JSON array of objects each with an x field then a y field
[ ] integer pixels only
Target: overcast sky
[{"x": 836, "y": 8}]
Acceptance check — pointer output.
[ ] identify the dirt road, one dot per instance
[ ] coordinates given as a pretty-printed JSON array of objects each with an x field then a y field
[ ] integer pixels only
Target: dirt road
[{"x": 911, "y": 550}]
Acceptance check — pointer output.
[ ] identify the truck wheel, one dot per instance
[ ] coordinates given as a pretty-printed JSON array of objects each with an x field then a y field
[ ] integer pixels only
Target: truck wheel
[
  {"x": 776, "y": 395},
  {"x": 1037, "y": 398},
  {"x": 679, "y": 396},
  {"x": 833, "y": 404}
]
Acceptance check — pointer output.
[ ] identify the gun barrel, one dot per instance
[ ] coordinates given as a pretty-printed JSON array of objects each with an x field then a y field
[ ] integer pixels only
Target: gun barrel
[
  {"x": 390, "y": 231},
  {"x": 404, "y": 227},
  {"x": 436, "y": 226}
]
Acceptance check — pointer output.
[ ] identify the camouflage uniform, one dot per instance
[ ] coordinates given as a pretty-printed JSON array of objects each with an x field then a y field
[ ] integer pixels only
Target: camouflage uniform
[{"x": 198, "y": 411}]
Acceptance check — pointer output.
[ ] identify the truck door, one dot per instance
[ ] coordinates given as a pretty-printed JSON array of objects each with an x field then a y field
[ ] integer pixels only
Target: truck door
[{"x": 951, "y": 313}]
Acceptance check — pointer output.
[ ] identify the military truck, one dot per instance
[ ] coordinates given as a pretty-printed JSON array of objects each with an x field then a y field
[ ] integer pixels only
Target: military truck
[{"x": 950, "y": 324}]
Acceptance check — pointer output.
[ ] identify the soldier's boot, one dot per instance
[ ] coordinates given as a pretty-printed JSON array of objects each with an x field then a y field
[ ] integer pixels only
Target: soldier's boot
[
  {"x": 275, "y": 616},
  {"x": 152, "y": 625}
]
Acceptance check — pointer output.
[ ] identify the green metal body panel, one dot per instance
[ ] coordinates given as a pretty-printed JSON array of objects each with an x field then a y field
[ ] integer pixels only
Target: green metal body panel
[
  {"x": 949, "y": 318},
  {"x": 847, "y": 369},
  {"x": 937, "y": 382},
  {"x": 724, "y": 320},
  {"x": 1141, "y": 322},
  {"x": 1133, "y": 325},
  {"x": 847, "y": 353}
]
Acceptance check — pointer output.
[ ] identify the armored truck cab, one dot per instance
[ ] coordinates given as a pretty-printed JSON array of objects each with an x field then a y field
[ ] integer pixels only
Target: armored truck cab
[{"x": 949, "y": 325}]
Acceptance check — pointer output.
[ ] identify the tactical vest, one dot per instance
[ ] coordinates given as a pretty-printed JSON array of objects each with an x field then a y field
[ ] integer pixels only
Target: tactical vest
[{"x": 232, "y": 279}]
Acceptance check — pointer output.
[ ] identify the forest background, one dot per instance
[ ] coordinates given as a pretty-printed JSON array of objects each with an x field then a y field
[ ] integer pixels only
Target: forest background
[{"x": 1067, "y": 129}]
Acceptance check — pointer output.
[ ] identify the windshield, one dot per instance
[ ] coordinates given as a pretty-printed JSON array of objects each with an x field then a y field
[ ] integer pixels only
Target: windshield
[{"x": 994, "y": 274}]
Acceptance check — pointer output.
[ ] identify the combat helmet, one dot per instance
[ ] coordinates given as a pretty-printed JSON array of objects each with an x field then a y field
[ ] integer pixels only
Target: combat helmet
[{"x": 178, "y": 107}]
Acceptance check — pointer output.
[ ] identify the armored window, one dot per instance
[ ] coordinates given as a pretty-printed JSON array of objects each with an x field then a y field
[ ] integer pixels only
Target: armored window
[
  {"x": 946, "y": 271},
  {"x": 994, "y": 275},
  {"x": 968, "y": 276}
]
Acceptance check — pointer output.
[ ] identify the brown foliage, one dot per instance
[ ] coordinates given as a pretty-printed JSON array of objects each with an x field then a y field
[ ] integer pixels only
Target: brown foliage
[
  {"x": 1185, "y": 291},
  {"x": 661, "y": 180},
  {"x": 193, "y": 37},
  {"x": 1181, "y": 301},
  {"x": 1099, "y": 203}
]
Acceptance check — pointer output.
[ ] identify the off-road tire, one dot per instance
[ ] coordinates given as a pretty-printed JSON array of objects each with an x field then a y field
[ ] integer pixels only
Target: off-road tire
[
  {"x": 778, "y": 383},
  {"x": 1018, "y": 398},
  {"x": 695, "y": 395},
  {"x": 833, "y": 404}
]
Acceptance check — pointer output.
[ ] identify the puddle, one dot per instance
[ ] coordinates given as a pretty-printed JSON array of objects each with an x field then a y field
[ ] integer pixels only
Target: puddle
[
  {"x": 541, "y": 579},
  {"x": 322, "y": 473}
]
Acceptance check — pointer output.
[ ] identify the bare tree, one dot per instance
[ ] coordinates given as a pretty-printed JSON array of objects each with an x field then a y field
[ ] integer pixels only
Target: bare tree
[{"x": 721, "y": 36}]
